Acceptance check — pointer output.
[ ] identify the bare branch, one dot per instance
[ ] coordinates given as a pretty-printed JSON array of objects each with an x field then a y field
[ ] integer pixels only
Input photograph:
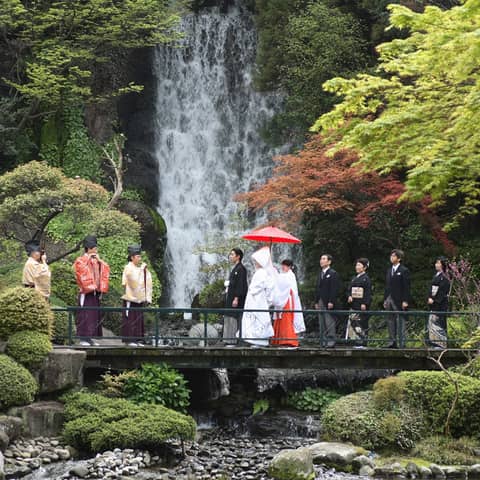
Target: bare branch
[
  {"x": 67, "y": 253},
  {"x": 115, "y": 160}
]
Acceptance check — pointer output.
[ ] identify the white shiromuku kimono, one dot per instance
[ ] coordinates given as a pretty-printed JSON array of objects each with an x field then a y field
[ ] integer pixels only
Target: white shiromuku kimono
[{"x": 258, "y": 325}]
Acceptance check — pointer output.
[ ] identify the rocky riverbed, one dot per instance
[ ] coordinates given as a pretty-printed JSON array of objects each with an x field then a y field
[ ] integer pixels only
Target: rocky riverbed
[{"x": 211, "y": 458}]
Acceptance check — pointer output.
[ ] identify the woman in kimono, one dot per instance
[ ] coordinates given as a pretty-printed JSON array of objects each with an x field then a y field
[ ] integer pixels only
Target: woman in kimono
[
  {"x": 257, "y": 326},
  {"x": 359, "y": 298},
  {"x": 438, "y": 303},
  {"x": 287, "y": 324},
  {"x": 137, "y": 281}
]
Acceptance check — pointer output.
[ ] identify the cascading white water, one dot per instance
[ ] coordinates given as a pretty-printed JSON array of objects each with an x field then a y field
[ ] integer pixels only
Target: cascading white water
[{"x": 208, "y": 145}]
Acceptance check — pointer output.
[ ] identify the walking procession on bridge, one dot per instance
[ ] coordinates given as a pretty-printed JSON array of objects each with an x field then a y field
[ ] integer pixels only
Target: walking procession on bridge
[{"x": 267, "y": 311}]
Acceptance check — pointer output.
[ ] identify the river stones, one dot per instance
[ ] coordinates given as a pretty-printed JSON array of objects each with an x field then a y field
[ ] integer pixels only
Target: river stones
[
  {"x": 292, "y": 465},
  {"x": 334, "y": 454}
]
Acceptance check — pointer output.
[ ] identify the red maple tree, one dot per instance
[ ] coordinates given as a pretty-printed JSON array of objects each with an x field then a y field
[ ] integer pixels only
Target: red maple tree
[{"x": 314, "y": 181}]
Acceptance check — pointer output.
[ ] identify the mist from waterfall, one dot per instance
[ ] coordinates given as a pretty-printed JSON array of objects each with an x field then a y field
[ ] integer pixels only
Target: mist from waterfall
[{"x": 208, "y": 143}]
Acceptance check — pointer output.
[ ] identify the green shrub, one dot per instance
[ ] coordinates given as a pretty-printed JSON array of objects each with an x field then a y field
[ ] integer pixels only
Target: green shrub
[
  {"x": 388, "y": 392},
  {"x": 64, "y": 285},
  {"x": 17, "y": 386},
  {"x": 95, "y": 423},
  {"x": 460, "y": 330},
  {"x": 158, "y": 384},
  {"x": 356, "y": 419},
  {"x": 448, "y": 451},
  {"x": 113, "y": 385},
  {"x": 213, "y": 295},
  {"x": 433, "y": 393},
  {"x": 29, "y": 348},
  {"x": 61, "y": 326},
  {"x": 24, "y": 309},
  {"x": 312, "y": 399},
  {"x": 471, "y": 369}
]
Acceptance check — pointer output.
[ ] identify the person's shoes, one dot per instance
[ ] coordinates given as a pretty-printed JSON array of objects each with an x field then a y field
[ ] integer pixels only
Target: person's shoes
[
  {"x": 140, "y": 344},
  {"x": 391, "y": 345},
  {"x": 132, "y": 344},
  {"x": 331, "y": 344},
  {"x": 83, "y": 343},
  {"x": 94, "y": 343}
]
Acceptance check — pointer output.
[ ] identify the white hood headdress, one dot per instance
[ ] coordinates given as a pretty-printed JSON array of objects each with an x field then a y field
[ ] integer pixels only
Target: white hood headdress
[{"x": 263, "y": 257}]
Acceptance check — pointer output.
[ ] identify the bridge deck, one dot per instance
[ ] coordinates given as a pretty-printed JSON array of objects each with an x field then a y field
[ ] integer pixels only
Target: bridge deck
[{"x": 120, "y": 357}]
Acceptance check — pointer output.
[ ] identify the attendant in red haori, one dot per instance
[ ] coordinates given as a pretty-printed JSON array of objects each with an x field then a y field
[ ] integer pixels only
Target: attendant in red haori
[
  {"x": 137, "y": 281},
  {"x": 287, "y": 324},
  {"x": 92, "y": 275}
]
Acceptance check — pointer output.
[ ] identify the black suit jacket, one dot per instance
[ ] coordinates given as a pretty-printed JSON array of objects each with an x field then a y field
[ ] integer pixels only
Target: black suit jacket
[
  {"x": 328, "y": 287},
  {"x": 441, "y": 285},
  {"x": 237, "y": 286},
  {"x": 398, "y": 285}
]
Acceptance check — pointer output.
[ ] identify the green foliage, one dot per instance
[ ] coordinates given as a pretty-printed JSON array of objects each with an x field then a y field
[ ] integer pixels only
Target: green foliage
[
  {"x": 29, "y": 348},
  {"x": 418, "y": 113},
  {"x": 433, "y": 393},
  {"x": 62, "y": 43},
  {"x": 95, "y": 423},
  {"x": 460, "y": 329},
  {"x": 474, "y": 340},
  {"x": 65, "y": 143},
  {"x": 24, "y": 309},
  {"x": 301, "y": 45},
  {"x": 114, "y": 385},
  {"x": 213, "y": 295},
  {"x": 64, "y": 285},
  {"x": 312, "y": 399},
  {"x": 448, "y": 451},
  {"x": 61, "y": 327},
  {"x": 158, "y": 384},
  {"x": 388, "y": 392},
  {"x": 355, "y": 418},
  {"x": 17, "y": 386},
  {"x": 260, "y": 406}
]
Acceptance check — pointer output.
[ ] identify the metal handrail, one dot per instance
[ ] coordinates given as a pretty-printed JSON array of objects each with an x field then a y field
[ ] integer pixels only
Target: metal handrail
[{"x": 417, "y": 318}]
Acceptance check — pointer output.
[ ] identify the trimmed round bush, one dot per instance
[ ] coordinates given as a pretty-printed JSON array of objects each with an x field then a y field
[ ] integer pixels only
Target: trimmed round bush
[
  {"x": 95, "y": 423},
  {"x": 29, "y": 348},
  {"x": 17, "y": 386},
  {"x": 24, "y": 309},
  {"x": 433, "y": 393},
  {"x": 356, "y": 419}
]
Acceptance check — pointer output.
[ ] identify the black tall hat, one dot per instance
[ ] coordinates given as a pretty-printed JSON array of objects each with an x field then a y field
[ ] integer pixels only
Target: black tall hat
[
  {"x": 134, "y": 250},
  {"x": 32, "y": 246},
  {"x": 90, "y": 241}
]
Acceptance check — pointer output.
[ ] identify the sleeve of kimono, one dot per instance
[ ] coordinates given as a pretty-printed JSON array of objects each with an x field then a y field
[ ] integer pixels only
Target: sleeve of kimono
[
  {"x": 367, "y": 292},
  {"x": 442, "y": 292}
]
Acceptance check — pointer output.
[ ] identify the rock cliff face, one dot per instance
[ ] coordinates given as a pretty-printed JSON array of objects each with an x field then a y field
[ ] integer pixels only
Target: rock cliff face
[{"x": 136, "y": 114}]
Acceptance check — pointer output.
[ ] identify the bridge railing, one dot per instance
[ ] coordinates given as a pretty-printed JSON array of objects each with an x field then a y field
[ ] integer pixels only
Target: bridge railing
[{"x": 165, "y": 326}]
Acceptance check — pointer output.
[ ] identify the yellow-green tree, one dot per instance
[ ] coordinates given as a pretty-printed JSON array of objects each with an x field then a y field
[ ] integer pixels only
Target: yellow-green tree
[{"x": 419, "y": 113}]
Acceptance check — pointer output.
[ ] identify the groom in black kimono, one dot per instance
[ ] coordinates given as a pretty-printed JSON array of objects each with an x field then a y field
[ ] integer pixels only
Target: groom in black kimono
[{"x": 235, "y": 295}]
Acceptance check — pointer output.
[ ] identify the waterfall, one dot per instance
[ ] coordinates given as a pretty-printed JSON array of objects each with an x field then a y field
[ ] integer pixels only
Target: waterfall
[{"x": 208, "y": 145}]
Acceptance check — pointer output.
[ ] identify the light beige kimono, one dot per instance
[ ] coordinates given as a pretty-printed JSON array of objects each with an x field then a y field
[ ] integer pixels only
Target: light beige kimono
[
  {"x": 37, "y": 275},
  {"x": 137, "y": 282}
]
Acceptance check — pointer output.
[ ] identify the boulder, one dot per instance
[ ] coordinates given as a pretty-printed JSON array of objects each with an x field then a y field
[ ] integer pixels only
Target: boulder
[
  {"x": 437, "y": 471},
  {"x": 474, "y": 470},
  {"x": 366, "y": 471},
  {"x": 80, "y": 471},
  {"x": 412, "y": 469},
  {"x": 334, "y": 454},
  {"x": 41, "y": 419},
  {"x": 455, "y": 472},
  {"x": 425, "y": 473},
  {"x": 2, "y": 467},
  {"x": 11, "y": 426},
  {"x": 198, "y": 331},
  {"x": 361, "y": 461},
  {"x": 292, "y": 465},
  {"x": 4, "y": 441},
  {"x": 62, "y": 369}
]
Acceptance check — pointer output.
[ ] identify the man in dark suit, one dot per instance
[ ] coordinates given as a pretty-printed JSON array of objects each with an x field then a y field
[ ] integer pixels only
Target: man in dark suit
[
  {"x": 396, "y": 298},
  {"x": 328, "y": 286},
  {"x": 235, "y": 295}
]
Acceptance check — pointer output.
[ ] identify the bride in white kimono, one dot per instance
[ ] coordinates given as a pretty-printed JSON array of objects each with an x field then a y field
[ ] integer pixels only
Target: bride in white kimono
[{"x": 257, "y": 326}]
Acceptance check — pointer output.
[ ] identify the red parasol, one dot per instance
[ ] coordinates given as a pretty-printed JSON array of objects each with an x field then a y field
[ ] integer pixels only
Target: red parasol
[{"x": 271, "y": 234}]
